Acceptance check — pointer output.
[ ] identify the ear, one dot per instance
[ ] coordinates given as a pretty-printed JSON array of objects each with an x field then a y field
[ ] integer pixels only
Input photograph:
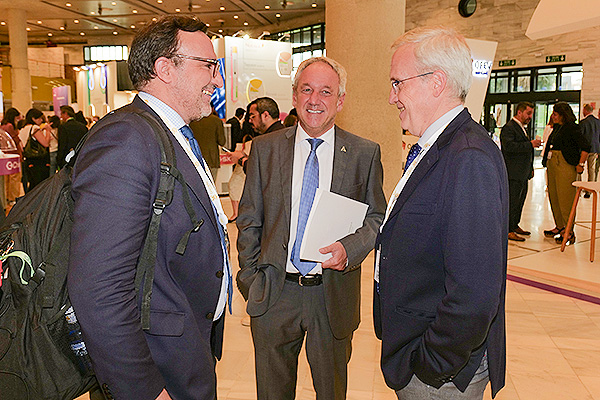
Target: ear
[
  {"x": 294, "y": 98},
  {"x": 438, "y": 82},
  {"x": 340, "y": 102},
  {"x": 163, "y": 67}
]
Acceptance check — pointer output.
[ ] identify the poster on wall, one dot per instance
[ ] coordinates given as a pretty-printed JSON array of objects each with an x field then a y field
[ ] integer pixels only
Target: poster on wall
[
  {"x": 256, "y": 68},
  {"x": 61, "y": 96}
]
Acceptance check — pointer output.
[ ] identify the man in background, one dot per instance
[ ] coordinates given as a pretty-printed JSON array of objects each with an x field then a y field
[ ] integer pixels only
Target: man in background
[
  {"x": 70, "y": 132},
  {"x": 517, "y": 150},
  {"x": 590, "y": 127},
  {"x": 210, "y": 134},
  {"x": 236, "y": 127}
]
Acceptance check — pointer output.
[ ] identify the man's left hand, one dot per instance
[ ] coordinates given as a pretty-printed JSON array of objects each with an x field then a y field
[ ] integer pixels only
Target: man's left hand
[{"x": 338, "y": 259}]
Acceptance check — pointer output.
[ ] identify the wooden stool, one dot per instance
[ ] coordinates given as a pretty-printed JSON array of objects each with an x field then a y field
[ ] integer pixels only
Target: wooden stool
[{"x": 594, "y": 188}]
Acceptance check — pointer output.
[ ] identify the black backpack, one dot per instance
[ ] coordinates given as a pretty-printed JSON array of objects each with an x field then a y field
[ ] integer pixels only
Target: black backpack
[{"x": 42, "y": 352}]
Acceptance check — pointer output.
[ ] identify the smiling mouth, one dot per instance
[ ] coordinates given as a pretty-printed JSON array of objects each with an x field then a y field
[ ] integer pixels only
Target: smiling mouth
[
  {"x": 315, "y": 111},
  {"x": 207, "y": 92}
]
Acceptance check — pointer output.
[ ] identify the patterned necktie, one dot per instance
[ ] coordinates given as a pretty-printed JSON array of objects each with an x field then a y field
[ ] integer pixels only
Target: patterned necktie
[
  {"x": 412, "y": 154},
  {"x": 189, "y": 135},
  {"x": 310, "y": 183}
]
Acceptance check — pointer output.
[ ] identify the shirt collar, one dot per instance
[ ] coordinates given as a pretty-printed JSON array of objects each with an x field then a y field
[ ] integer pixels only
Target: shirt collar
[
  {"x": 166, "y": 113},
  {"x": 328, "y": 137},
  {"x": 437, "y": 124},
  {"x": 519, "y": 122}
]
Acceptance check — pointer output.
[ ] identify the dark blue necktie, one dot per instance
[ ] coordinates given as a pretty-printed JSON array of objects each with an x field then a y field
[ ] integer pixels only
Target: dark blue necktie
[
  {"x": 189, "y": 135},
  {"x": 412, "y": 154},
  {"x": 310, "y": 183}
]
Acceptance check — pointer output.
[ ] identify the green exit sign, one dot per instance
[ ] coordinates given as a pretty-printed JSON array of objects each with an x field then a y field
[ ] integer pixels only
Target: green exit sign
[
  {"x": 507, "y": 63},
  {"x": 551, "y": 59}
]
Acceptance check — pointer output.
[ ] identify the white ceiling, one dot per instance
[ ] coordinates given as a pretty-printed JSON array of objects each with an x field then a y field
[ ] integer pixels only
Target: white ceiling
[{"x": 64, "y": 21}]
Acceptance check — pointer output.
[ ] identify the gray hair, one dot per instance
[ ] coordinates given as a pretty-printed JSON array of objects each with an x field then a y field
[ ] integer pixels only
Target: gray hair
[
  {"x": 336, "y": 66},
  {"x": 444, "y": 49}
]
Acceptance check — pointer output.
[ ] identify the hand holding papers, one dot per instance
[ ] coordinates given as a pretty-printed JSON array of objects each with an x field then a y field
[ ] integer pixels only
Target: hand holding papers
[{"x": 331, "y": 218}]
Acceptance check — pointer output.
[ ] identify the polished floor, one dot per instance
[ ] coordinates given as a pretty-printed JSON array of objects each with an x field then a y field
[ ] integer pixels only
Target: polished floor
[{"x": 553, "y": 340}]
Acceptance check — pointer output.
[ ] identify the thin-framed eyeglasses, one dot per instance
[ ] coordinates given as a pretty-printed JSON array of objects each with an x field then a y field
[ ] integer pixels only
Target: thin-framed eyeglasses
[
  {"x": 396, "y": 82},
  {"x": 214, "y": 62}
]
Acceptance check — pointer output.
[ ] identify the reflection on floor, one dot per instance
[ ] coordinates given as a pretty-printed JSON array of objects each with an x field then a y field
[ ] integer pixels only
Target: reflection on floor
[{"x": 553, "y": 340}]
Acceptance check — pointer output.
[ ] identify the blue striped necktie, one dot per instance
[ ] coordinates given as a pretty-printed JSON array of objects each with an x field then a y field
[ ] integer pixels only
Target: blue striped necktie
[
  {"x": 412, "y": 154},
  {"x": 310, "y": 183},
  {"x": 189, "y": 135}
]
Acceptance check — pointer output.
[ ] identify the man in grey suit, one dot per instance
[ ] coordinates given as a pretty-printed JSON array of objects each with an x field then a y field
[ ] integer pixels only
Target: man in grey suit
[
  {"x": 288, "y": 298},
  {"x": 590, "y": 127}
]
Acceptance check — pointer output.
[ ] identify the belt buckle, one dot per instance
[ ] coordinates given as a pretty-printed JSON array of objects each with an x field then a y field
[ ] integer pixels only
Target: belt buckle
[{"x": 300, "y": 280}]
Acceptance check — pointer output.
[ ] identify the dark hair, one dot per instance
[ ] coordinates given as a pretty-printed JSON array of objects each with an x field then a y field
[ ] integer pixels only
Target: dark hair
[
  {"x": 588, "y": 108},
  {"x": 293, "y": 112},
  {"x": 157, "y": 39},
  {"x": 565, "y": 111},
  {"x": 80, "y": 118},
  {"x": 290, "y": 120},
  {"x": 522, "y": 106},
  {"x": 267, "y": 104},
  {"x": 9, "y": 117},
  {"x": 68, "y": 110},
  {"x": 31, "y": 114},
  {"x": 240, "y": 112},
  {"x": 54, "y": 121}
]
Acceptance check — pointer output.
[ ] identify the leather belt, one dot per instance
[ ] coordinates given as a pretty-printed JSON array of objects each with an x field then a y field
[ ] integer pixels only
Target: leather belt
[{"x": 308, "y": 280}]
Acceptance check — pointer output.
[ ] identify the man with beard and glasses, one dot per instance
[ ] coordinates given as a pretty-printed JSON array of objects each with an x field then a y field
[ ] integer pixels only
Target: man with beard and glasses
[{"x": 115, "y": 180}]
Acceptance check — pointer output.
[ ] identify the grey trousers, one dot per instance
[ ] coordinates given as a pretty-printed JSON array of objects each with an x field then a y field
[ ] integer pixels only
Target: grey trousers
[
  {"x": 278, "y": 336},
  {"x": 417, "y": 390}
]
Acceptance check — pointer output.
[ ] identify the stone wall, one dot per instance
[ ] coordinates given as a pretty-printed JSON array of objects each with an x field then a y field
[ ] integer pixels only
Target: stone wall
[{"x": 506, "y": 21}]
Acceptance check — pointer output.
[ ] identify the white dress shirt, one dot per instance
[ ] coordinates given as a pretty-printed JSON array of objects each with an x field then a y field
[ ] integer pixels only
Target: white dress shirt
[{"x": 325, "y": 157}]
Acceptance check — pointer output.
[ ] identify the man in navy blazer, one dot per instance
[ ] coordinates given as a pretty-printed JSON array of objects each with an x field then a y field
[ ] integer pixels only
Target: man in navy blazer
[
  {"x": 441, "y": 251},
  {"x": 115, "y": 180}
]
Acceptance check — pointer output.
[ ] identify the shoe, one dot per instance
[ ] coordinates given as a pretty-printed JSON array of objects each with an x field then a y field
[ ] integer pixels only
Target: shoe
[
  {"x": 586, "y": 195},
  {"x": 570, "y": 239},
  {"x": 515, "y": 237},
  {"x": 553, "y": 232},
  {"x": 231, "y": 220},
  {"x": 522, "y": 232}
]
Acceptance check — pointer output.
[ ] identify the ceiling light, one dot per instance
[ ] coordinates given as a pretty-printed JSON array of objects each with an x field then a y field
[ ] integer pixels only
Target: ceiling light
[
  {"x": 2, "y": 23},
  {"x": 96, "y": 27},
  {"x": 178, "y": 10},
  {"x": 134, "y": 11},
  {"x": 278, "y": 15},
  {"x": 220, "y": 30},
  {"x": 159, "y": 1},
  {"x": 246, "y": 36},
  {"x": 62, "y": 28},
  {"x": 76, "y": 21},
  {"x": 267, "y": 7},
  {"x": 115, "y": 20},
  {"x": 195, "y": 6},
  {"x": 314, "y": 5},
  {"x": 154, "y": 19},
  {"x": 82, "y": 33},
  {"x": 49, "y": 34},
  {"x": 68, "y": 4},
  {"x": 222, "y": 8},
  {"x": 246, "y": 23},
  {"x": 132, "y": 26},
  {"x": 93, "y": 13},
  {"x": 39, "y": 22},
  {"x": 28, "y": 29},
  {"x": 235, "y": 17},
  {"x": 207, "y": 24},
  {"x": 76, "y": 69},
  {"x": 114, "y": 3},
  {"x": 115, "y": 33}
]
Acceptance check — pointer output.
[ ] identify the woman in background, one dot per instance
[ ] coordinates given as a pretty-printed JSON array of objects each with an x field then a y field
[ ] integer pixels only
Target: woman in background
[
  {"x": 12, "y": 182},
  {"x": 35, "y": 170},
  {"x": 54, "y": 121}
]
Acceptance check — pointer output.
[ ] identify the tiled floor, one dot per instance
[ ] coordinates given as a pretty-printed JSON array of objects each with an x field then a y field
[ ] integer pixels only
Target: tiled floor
[{"x": 553, "y": 341}]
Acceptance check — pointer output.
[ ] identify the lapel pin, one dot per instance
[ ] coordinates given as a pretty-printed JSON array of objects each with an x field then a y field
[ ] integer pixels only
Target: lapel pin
[{"x": 343, "y": 149}]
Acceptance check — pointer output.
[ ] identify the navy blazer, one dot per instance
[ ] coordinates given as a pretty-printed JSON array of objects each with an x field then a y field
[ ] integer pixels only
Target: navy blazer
[
  {"x": 517, "y": 151},
  {"x": 115, "y": 180},
  {"x": 442, "y": 274}
]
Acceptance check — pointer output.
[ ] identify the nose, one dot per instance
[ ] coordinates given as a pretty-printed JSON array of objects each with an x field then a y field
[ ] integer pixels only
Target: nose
[
  {"x": 218, "y": 80},
  {"x": 393, "y": 96}
]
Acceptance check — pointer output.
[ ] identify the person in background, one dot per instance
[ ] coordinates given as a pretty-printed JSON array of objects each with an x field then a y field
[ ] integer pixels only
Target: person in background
[
  {"x": 441, "y": 254},
  {"x": 517, "y": 150},
  {"x": 590, "y": 128},
  {"x": 79, "y": 117},
  {"x": 290, "y": 120},
  {"x": 35, "y": 170},
  {"x": 12, "y": 182},
  {"x": 70, "y": 133},
  {"x": 564, "y": 156},
  {"x": 236, "y": 127},
  {"x": 210, "y": 134},
  {"x": 54, "y": 121}
]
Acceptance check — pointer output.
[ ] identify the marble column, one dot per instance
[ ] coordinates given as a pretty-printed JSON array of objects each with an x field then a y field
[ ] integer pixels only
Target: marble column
[
  {"x": 358, "y": 34},
  {"x": 21, "y": 80}
]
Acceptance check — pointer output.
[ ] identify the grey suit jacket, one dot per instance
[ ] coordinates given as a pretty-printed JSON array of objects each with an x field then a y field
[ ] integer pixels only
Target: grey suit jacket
[{"x": 264, "y": 222}]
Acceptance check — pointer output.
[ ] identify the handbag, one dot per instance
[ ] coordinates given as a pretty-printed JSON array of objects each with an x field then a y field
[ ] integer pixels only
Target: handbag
[{"x": 34, "y": 149}]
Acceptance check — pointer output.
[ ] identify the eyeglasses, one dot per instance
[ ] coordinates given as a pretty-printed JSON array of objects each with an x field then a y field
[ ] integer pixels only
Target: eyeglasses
[
  {"x": 396, "y": 83},
  {"x": 215, "y": 63}
]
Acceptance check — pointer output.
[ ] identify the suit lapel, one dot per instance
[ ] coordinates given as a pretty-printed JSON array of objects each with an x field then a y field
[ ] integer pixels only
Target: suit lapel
[
  {"x": 285, "y": 152},
  {"x": 341, "y": 151}
]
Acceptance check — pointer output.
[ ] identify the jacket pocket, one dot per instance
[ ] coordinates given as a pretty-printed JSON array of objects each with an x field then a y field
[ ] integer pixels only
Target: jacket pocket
[
  {"x": 414, "y": 313},
  {"x": 166, "y": 323}
]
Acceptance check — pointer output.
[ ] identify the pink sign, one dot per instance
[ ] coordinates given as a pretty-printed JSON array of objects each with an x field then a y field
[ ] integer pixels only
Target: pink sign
[{"x": 10, "y": 164}]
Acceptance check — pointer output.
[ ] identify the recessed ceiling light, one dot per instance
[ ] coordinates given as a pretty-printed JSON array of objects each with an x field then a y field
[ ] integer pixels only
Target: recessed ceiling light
[
  {"x": 132, "y": 26},
  {"x": 2, "y": 23},
  {"x": 246, "y": 23},
  {"x": 28, "y": 29},
  {"x": 278, "y": 15},
  {"x": 96, "y": 27},
  {"x": 39, "y": 22},
  {"x": 82, "y": 33},
  {"x": 220, "y": 30},
  {"x": 115, "y": 20},
  {"x": 235, "y": 17},
  {"x": 114, "y": 3},
  {"x": 267, "y": 7},
  {"x": 115, "y": 33},
  {"x": 49, "y": 34},
  {"x": 159, "y": 1},
  {"x": 68, "y": 4},
  {"x": 93, "y": 13},
  {"x": 62, "y": 28},
  {"x": 154, "y": 19},
  {"x": 178, "y": 10},
  {"x": 134, "y": 11},
  {"x": 76, "y": 21},
  {"x": 207, "y": 24},
  {"x": 314, "y": 5},
  {"x": 222, "y": 8},
  {"x": 195, "y": 6}
]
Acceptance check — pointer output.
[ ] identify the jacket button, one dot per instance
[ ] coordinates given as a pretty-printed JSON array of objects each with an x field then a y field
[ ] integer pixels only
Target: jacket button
[
  {"x": 210, "y": 315},
  {"x": 219, "y": 274}
]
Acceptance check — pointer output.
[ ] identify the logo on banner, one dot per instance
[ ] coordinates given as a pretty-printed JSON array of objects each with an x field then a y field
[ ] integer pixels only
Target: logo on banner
[
  {"x": 284, "y": 64},
  {"x": 255, "y": 89}
]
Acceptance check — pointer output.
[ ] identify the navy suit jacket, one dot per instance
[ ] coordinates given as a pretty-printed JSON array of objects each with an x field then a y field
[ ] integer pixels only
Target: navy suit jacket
[
  {"x": 517, "y": 151},
  {"x": 70, "y": 133},
  {"x": 115, "y": 180},
  {"x": 440, "y": 304},
  {"x": 590, "y": 127}
]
